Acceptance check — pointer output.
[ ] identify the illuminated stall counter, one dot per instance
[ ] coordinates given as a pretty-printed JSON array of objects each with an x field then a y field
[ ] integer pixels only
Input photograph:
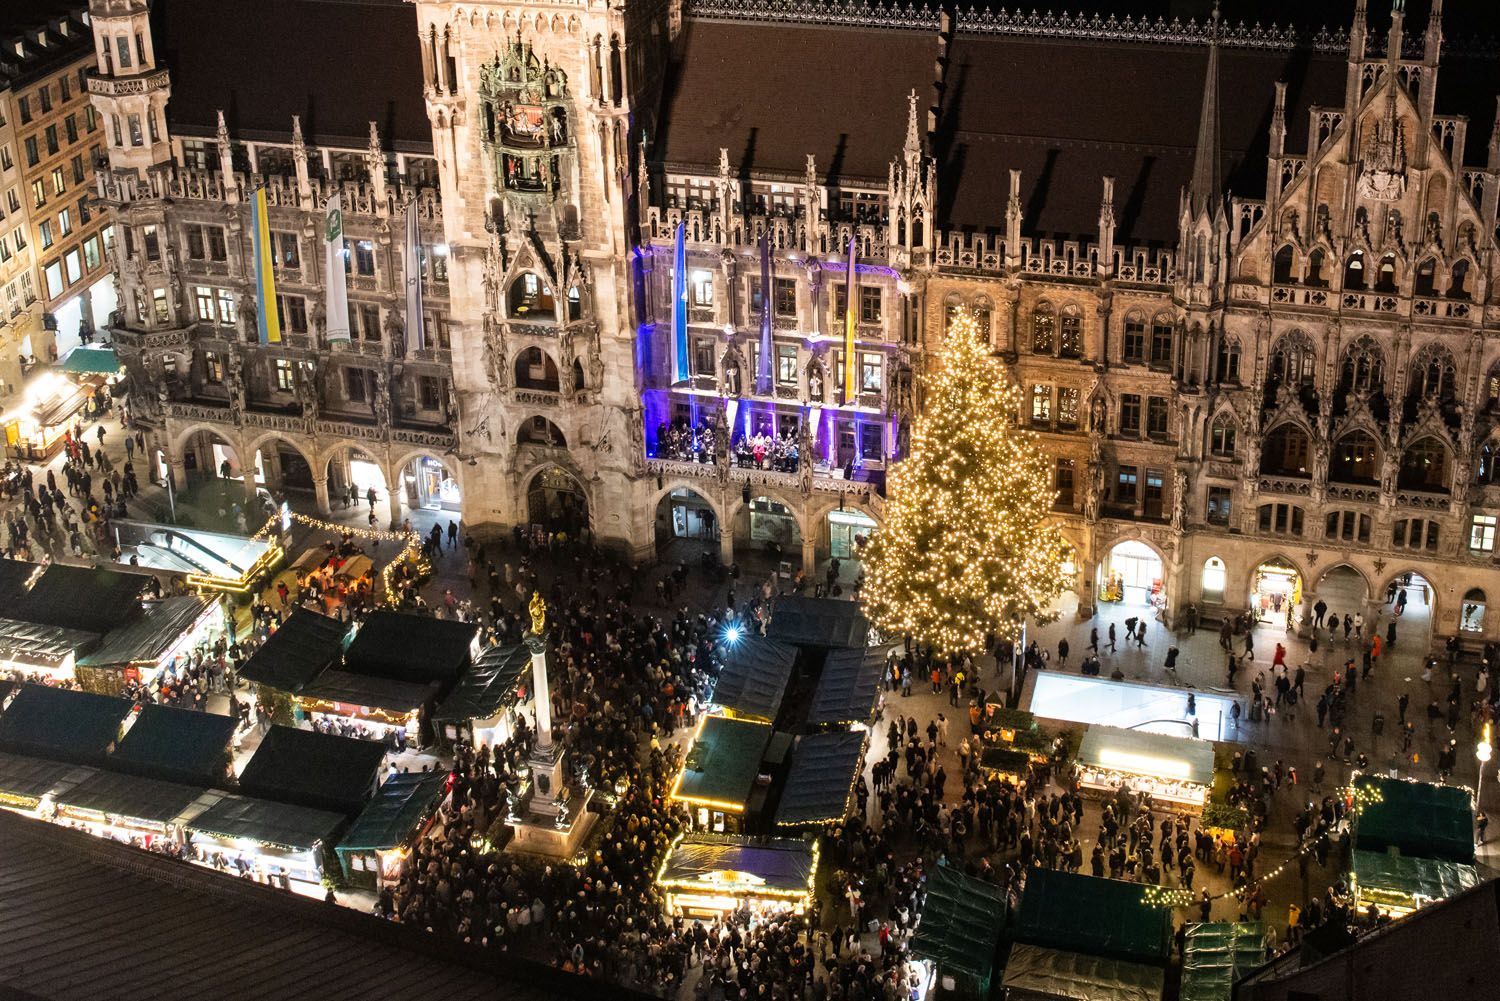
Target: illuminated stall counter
[
  {"x": 277, "y": 843},
  {"x": 1175, "y": 772},
  {"x": 401, "y": 812},
  {"x": 707, "y": 877},
  {"x": 35, "y": 429}
]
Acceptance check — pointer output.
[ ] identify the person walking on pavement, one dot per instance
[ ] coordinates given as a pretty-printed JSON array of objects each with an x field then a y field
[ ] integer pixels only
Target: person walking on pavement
[
  {"x": 1359, "y": 626},
  {"x": 1094, "y": 641},
  {"x": 1062, "y": 653},
  {"x": 1319, "y": 610},
  {"x": 370, "y": 496},
  {"x": 1112, "y": 637},
  {"x": 1348, "y": 626},
  {"x": 1401, "y": 704}
]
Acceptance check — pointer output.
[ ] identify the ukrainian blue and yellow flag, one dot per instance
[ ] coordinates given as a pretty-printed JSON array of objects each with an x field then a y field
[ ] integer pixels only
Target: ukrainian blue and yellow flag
[{"x": 267, "y": 319}]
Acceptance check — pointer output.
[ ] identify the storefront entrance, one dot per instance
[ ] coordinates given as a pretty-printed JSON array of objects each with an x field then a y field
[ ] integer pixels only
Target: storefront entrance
[
  {"x": 1131, "y": 575},
  {"x": 1276, "y": 593},
  {"x": 429, "y": 487},
  {"x": 848, "y": 531}
]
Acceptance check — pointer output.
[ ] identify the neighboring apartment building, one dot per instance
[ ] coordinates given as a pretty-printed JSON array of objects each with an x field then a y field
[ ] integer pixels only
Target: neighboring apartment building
[
  {"x": 1263, "y": 375},
  {"x": 48, "y": 147}
]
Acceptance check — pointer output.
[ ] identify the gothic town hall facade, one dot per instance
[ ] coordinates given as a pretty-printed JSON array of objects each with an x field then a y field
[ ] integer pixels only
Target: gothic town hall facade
[{"x": 1245, "y": 277}]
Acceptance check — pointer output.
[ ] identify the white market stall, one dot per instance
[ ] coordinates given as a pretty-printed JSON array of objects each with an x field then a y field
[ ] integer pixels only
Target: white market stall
[{"x": 1174, "y": 772}]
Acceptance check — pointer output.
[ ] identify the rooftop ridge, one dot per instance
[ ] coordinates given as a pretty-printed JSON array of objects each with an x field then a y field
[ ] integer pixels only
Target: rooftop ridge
[{"x": 1095, "y": 27}]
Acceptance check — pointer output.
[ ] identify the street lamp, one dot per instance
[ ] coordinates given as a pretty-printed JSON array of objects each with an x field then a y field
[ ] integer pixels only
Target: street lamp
[{"x": 1483, "y": 751}]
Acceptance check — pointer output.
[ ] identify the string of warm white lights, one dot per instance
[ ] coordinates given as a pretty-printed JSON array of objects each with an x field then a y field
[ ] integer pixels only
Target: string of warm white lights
[
  {"x": 410, "y": 551},
  {"x": 966, "y": 550}
]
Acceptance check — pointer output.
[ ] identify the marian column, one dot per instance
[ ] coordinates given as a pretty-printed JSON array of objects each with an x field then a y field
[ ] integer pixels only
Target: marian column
[{"x": 545, "y": 761}]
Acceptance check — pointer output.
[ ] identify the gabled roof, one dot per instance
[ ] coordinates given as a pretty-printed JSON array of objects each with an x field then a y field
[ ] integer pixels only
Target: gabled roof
[
  {"x": 178, "y": 745},
  {"x": 305, "y": 644},
  {"x": 1092, "y": 915},
  {"x": 24, "y": 781},
  {"x": 490, "y": 685},
  {"x": 151, "y": 928},
  {"x": 314, "y": 769},
  {"x": 131, "y": 796},
  {"x": 398, "y": 808},
  {"x": 820, "y": 623},
  {"x": 411, "y": 648},
  {"x": 722, "y": 765},
  {"x": 848, "y": 687},
  {"x": 151, "y": 634},
  {"x": 754, "y": 678},
  {"x": 62, "y": 724},
  {"x": 1415, "y": 818},
  {"x": 825, "y": 767},
  {"x": 284, "y": 825},
  {"x": 237, "y": 73},
  {"x": 961, "y": 923},
  {"x": 364, "y": 690},
  {"x": 91, "y": 599},
  {"x": 35, "y": 643}
]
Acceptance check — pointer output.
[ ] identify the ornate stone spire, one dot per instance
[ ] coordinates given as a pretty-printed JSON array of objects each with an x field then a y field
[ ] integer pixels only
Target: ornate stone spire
[
  {"x": 226, "y": 159},
  {"x": 299, "y": 158},
  {"x": 913, "y": 147},
  {"x": 375, "y": 163},
  {"x": 1206, "y": 191}
]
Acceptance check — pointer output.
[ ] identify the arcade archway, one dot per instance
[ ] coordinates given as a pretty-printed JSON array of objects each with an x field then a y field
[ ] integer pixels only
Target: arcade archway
[
  {"x": 428, "y": 484},
  {"x": 355, "y": 478},
  {"x": 1276, "y": 592},
  {"x": 684, "y": 516},
  {"x": 1132, "y": 575},
  {"x": 556, "y": 502},
  {"x": 209, "y": 455},
  {"x": 774, "y": 528},
  {"x": 1410, "y": 605}
]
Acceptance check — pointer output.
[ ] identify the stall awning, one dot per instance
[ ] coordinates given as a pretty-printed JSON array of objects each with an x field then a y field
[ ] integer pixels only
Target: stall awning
[
  {"x": 849, "y": 686},
  {"x": 1384, "y": 874},
  {"x": 304, "y": 645},
  {"x": 61, "y": 724},
  {"x": 315, "y": 770},
  {"x": 754, "y": 678},
  {"x": 37, "y": 644},
  {"x": 820, "y": 784},
  {"x": 961, "y": 923},
  {"x": 778, "y": 867},
  {"x": 401, "y": 805},
  {"x": 152, "y": 635},
  {"x": 177, "y": 745},
  {"x": 1418, "y": 819},
  {"x": 1138, "y": 752},
  {"x": 822, "y": 623},
  {"x": 412, "y": 648},
  {"x": 722, "y": 764},
  {"x": 490, "y": 686},
  {"x": 1033, "y": 973},
  {"x": 281, "y": 825},
  {"x": 131, "y": 796},
  {"x": 361, "y": 690},
  {"x": 1089, "y": 914},
  {"x": 1216, "y": 954},
  {"x": 88, "y": 359},
  {"x": 24, "y": 781},
  {"x": 58, "y": 408}
]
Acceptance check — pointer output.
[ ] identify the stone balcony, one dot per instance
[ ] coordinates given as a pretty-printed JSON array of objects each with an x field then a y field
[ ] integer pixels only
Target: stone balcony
[{"x": 824, "y": 480}]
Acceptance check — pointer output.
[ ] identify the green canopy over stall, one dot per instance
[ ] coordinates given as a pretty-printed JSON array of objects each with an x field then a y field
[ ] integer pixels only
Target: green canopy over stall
[
  {"x": 25, "y": 781},
  {"x": 89, "y": 359},
  {"x": 492, "y": 685},
  {"x": 721, "y": 766},
  {"x": 63, "y": 725},
  {"x": 821, "y": 623},
  {"x": 403, "y": 803},
  {"x": 1089, "y": 914},
  {"x": 1033, "y": 973},
  {"x": 1417, "y": 819},
  {"x": 960, "y": 925},
  {"x": 1216, "y": 954},
  {"x": 177, "y": 745},
  {"x": 849, "y": 686},
  {"x": 1387, "y": 879}
]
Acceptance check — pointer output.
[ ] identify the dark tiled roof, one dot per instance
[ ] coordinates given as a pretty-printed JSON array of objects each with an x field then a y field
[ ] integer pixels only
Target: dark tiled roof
[
  {"x": 755, "y": 676},
  {"x": 64, "y": 38},
  {"x": 821, "y": 781},
  {"x": 825, "y": 623},
  {"x": 304, "y": 645},
  {"x": 314, "y": 769},
  {"x": 272, "y": 59},
  {"x": 131, "y": 796},
  {"x": 85, "y": 598},
  {"x": 411, "y": 648},
  {"x": 773, "y": 93},
  {"x": 179, "y": 745},
  {"x": 62, "y": 724},
  {"x": 82, "y": 918}
]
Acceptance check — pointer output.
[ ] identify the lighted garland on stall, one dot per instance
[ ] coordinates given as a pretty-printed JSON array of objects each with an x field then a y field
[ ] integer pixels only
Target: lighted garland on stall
[
  {"x": 411, "y": 550},
  {"x": 966, "y": 549}
]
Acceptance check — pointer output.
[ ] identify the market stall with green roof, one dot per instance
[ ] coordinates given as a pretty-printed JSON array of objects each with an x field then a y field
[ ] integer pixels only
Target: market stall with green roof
[
  {"x": 958, "y": 931},
  {"x": 1413, "y": 844},
  {"x": 372, "y": 852},
  {"x": 1093, "y": 915},
  {"x": 1216, "y": 954}
]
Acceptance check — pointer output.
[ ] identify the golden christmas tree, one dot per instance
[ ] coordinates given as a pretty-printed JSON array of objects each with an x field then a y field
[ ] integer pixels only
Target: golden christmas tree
[{"x": 966, "y": 549}]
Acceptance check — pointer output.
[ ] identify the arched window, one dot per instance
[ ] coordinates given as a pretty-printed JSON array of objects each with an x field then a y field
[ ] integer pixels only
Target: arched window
[
  {"x": 535, "y": 369},
  {"x": 1161, "y": 340},
  {"x": 530, "y": 298},
  {"x": 1070, "y": 333},
  {"x": 1458, "y": 286},
  {"x": 1424, "y": 282},
  {"x": 1485, "y": 472},
  {"x": 1281, "y": 267},
  {"x": 1043, "y": 330},
  {"x": 1355, "y": 459},
  {"x": 1294, "y": 359},
  {"x": 1354, "y": 271},
  {"x": 1284, "y": 452},
  {"x": 1385, "y": 276},
  {"x": 1362, "y": 368},
  {"x": 1134, "y": 348},
  {"x": 575, "y": 304},
  {"x": 1490, "y": 391},
  {"x": 982, "y": 310},
  {"x": 1227, "y": 365},
  {"x": 1424, "y": 466},
  {"x": 1214, "y": 578},
  {"x": 1433, "y": 374},
  {"x": 1221, "y": 435},
  {"x": 1315, "y": 270},
  {"x": 952, "y": 306}
]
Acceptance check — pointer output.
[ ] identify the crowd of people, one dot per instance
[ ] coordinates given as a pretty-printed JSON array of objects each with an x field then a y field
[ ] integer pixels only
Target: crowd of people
[{"x": 685, "y": 442}]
